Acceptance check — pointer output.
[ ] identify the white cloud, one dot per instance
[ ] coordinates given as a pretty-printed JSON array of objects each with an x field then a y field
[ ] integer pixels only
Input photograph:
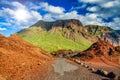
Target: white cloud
[
  {"x": 93, "y": 9},
  {"x": 48, "y": 17},
  {"x": 91, "y": 19},
  {"x": 20, "y": 16},
  {"x": 90, "y": 1},
  {"x": 5, "y": 24},
  {"x": 105, "y": 8},
  {"x": 18, "y": 5},
  {"x": 78, "y": 7},
  {"x": 52, "y": 9},
  {"x": 36, "y": 15},
  {"x": 110, "y": 4},
  {"x": 2, "y": 29},
  {"x": 68, "y": 15},
  {"x": 115, "y": 24}
]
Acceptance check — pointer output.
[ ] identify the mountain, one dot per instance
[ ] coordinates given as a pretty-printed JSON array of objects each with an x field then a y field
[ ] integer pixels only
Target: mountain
[
  {"x": 20, "y": 60},
  {"x": 67, "y": 34},
  {"x": 102, "y": 33},
  {"x": 52, "y": 36}
]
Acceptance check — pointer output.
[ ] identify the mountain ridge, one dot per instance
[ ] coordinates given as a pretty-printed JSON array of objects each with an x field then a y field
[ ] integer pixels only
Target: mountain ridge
[{"x": 73, "y": 30}]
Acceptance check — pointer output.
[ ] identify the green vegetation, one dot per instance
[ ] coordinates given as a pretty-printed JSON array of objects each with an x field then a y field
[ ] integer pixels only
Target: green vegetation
[
  {"x": 97, "y": 30},
  {"x": 53, "y": 41}
]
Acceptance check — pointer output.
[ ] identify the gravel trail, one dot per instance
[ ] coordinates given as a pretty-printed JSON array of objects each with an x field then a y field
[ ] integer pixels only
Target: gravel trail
[{"x": 64, "y": 69}]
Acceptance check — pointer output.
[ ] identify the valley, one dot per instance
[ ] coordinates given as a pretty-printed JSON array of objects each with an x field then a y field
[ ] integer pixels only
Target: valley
[
  {"x": 59, "y": 39},
  {"x": 61, "y": 50}
]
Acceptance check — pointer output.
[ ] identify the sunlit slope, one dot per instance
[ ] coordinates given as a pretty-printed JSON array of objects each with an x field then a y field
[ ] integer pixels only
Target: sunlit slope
[{"x": 52, "y": 41}]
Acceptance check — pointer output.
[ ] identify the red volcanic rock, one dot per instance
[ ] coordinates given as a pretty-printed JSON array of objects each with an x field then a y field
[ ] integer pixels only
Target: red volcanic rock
[
  {"x": 100, "y": 48},
  {"x": 19, "y": 60},
  {"x": 117, "y": 48}
]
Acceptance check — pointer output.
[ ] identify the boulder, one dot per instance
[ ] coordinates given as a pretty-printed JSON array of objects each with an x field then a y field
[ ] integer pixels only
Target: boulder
[
  {"x": 105, "y": 72},
  {"x": 111, "y": 75},
  {"x": 92, "y": 69}
]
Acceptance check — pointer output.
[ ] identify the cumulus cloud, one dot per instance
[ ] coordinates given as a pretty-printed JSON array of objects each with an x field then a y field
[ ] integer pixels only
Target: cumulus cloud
[
  {"x": 91, "y": 19},
  {"x": 19, "y": 16},
  {"x": 93, "y": 9},
  {"x": 68, "y": 15},
  {"x": 90, "y": 1},
  {"x": 105, "y": 9},
  {"x": 52, "y": 9},
  {"x": 18, "y": 5},
  {"x": 115, "y": 24},
  {"x": 110, "y": 4},
  {"x": 48, "y": 17},
  {"x": 2, "y": 29}
]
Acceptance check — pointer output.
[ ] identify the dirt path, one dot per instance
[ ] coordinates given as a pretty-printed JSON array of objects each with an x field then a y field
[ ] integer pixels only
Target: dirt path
[{"x": 64, "y": 69}]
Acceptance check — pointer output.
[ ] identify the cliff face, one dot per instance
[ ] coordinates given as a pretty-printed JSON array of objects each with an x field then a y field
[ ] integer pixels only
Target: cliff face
[
  {"x": 59, "y": 23},
  {"x": 67, "y": 23},
  {"x": 103, "y": 33},
  {"x": 21, "y": 60}
]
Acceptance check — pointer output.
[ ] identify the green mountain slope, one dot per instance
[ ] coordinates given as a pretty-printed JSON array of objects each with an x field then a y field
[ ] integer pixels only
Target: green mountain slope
[
  {"x": 53, "y": 42},
  {"x": 52, "y": 36}
]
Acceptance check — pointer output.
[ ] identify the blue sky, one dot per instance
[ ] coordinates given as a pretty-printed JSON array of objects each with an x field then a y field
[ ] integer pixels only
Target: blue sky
[{"x": 19, "y": 14}]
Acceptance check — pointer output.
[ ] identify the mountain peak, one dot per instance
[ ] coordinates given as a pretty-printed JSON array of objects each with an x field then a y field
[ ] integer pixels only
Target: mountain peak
[
  {"x": 67, "y": 23},
  {"x": 58, "y": 23}
]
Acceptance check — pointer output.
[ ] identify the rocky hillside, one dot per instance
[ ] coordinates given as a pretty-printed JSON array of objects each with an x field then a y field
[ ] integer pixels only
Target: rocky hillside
[
  {"x": 100, "y": 49},
  {"x": 19, "y": 60},
  {"x": 102, "y": 33}
]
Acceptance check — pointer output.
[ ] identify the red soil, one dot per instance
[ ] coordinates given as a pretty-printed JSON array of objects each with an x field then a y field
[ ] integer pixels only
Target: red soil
[
  {"x": 100, "y": 48},
  {"x": 104, "y": 54},
  {"x": 19, "y": 60}
]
